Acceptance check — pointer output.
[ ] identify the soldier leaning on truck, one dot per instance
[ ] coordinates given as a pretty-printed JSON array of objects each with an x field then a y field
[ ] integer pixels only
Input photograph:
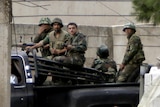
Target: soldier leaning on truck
[
  {"x": 134, "y": 55},
  {"x": 56, "y": 39},
  {"x": 105, "y": 64},
  {"x": 44, "y": 29}
]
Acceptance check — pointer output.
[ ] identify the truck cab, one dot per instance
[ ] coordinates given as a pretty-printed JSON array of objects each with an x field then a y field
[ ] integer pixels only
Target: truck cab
[{"x": 21, "y": 81}]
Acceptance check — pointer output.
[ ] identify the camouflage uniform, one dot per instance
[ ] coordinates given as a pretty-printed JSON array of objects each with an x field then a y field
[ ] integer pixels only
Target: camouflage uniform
[
  {"x": 105, "y": 65},
  {"x": 56, "y": 43},
  {"x": 38, "y": 38},
  {"x": 74, "y": 57},
  {"x": 133, "y": 58}
]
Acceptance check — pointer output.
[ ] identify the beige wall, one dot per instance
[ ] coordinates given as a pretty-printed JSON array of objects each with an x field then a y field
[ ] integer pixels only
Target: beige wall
[
  {"x": 89, "y": 12},
  {"x": 98, "y": 35}
]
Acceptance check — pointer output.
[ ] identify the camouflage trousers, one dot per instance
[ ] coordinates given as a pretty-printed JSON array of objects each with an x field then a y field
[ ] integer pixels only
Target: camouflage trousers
[
  {"x": 125, "y": 74},
  {"x": 70, "y": 61}
]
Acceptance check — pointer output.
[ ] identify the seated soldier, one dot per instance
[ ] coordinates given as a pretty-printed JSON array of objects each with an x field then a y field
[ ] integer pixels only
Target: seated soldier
[
  {"x": 76, "y": 47},
  {"x": 44, "y": 29},
  {"x": 105, "y": 64}
]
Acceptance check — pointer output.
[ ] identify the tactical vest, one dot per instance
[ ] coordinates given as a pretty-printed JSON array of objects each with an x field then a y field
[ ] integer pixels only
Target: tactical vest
[{"x": 57, "y": 43}]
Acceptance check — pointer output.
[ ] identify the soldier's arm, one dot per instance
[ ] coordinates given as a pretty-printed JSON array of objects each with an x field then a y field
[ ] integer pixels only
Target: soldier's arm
[
  {"x": 133, "y": 49},
  {"x": 37, "y": 45},
  {"x": 36, "y": 39},
  {"x": 93, "y": 63},
  {"x": 58, "y": 51},
  {"x": 81, "y": 46}
]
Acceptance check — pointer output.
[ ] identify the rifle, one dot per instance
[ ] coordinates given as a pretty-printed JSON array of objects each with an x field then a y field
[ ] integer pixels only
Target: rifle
[{"x": 23, "y": 45}]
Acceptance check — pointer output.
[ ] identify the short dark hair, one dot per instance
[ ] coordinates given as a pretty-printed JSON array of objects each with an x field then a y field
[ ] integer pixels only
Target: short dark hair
[{"x": 72, "y": 23}]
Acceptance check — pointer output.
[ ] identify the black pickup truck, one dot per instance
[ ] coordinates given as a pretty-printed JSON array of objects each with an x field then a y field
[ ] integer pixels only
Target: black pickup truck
[{"x": 85, "y": 87}]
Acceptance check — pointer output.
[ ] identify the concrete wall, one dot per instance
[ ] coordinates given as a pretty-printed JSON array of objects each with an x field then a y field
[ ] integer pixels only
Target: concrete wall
[
  {"x": 98, "y": 35},
  {"x": 84, "y": 12}
]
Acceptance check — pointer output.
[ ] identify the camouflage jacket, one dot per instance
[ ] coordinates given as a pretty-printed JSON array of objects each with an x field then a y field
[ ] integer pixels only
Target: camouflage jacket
[
  {"x": 134, "y": 52},
  {"x": 80, "y": 45},
  {"x": 38, "y": 38},
  {"x": 107, "y": 66}
]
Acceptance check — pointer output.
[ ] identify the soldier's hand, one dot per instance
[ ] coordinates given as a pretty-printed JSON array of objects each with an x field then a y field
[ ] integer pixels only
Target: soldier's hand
[
  {"x": 46, "y": 46},
  {"x": 41, "y": 29},
  {"x": 55, "y": 51},
  {"x": 52, "y": 51},
  {"x": 29, "y": 48},
  {"x": 69, "y": 47},
  {"x": 121, "y": 67}
]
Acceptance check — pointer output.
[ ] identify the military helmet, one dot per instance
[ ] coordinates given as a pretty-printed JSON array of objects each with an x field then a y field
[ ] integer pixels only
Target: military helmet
[
  {"x": 57, "y": 20},
  {"x": 129, "y": 26},
  {"x": 103, "y": 51},
  {"x": 45, "y": 20}
]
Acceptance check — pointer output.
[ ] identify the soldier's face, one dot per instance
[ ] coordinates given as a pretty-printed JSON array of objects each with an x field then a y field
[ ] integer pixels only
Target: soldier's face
[
  {"x": 45, "y": 26},
  {"x": 72, "y": 29},
  {"x": 57, "y": 27},
  {"x": 128, "y": 32}
]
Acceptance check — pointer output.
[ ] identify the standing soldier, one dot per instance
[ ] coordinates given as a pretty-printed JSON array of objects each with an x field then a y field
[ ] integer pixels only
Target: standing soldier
[
  {"x": 44, "y": 29},
  {"x": 76, "y": 47},
  {"x": 105, "y": 64},
  {"x": 134, "y": 55}
]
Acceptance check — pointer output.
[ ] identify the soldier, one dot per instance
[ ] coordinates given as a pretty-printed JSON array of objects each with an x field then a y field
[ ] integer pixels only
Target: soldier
[
  {"x": 56, "y": 39},
  {"x": 44, "y": 29},
  {"x": 134, "y": 55},
  {"x": 105, "y": 64},
  {"x": 76, "y": 47}
]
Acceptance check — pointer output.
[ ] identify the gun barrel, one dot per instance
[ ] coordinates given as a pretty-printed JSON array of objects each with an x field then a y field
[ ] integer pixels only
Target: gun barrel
[{"x": 22, "y": 44}]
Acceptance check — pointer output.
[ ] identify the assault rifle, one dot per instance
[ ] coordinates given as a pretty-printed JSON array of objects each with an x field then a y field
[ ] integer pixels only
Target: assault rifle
[{"x": 22, "y": 45}]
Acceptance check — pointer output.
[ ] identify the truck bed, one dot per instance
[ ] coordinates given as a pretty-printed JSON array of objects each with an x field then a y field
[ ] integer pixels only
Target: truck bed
[
  {"x": 76, "y": 75},
  {"x": 88, "y": 88}
]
